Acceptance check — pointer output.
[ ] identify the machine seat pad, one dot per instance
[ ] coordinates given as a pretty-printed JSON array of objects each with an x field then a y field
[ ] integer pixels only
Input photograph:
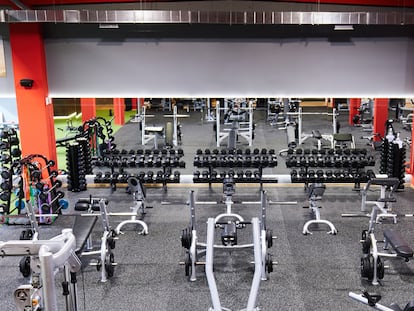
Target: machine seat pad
[
  {"x": 316, "y": 134},
  {"x": 343, "y": 137},
  {"x": 82, "y": 228},
  {"x": 391, "y": 181},
  {"x": 398, "y": 243}
]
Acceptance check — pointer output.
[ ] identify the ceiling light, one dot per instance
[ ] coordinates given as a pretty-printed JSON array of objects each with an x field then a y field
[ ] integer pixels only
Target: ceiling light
[
  {"x": 108, "y": 26},
  {"x": 344, "y": 27}
]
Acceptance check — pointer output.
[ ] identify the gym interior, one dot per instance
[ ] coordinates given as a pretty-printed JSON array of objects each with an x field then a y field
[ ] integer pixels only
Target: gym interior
[{"x": 206, "y": 155}]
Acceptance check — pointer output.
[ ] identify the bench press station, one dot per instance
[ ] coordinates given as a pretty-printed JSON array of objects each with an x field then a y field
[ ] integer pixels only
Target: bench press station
[
  {"x": 229, "y": 223},
  {"x": 238, "y": 126},
  {"x": 372, "y": 266},
  {"x": 82, "y": 229}
]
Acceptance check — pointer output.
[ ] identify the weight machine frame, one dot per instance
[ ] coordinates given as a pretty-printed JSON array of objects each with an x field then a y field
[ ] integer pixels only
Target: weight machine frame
[
  {"x": 47, "y": 256},
  {"x": 262, "y": 240},
  {"x": 302, "y": 137},
  {"x": 242, "y": 130}
]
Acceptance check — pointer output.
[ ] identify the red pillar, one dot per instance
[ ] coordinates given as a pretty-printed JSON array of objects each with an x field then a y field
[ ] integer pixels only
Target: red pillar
[
  {"x": 134, "y": 102},
  {"x": 34, "y": 108},
  {"x": 119, "y": 111},
  {"x": 354, "y": 105},
  {"x": 88, "y": 108},
  {"x": 380, "y": 117}
]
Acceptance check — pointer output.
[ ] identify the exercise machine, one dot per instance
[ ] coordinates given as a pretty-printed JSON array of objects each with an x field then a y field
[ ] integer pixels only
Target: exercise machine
[
  {"x": 236, "y": 125},
  {"x": 136, "y": 188},
  {"x": 315, "y": 193},
  {"x": 372, "y": 300},
  {"x": 46, "y": 256},
  {"x": 173, "y": 133},
  {"x": 372, "y": 264},
  {"x": 302, "y": 137},
  {"x": 382, "y": 207},
  {"x": 82, "y": 228},
  {"x": 229, "y": 223}
]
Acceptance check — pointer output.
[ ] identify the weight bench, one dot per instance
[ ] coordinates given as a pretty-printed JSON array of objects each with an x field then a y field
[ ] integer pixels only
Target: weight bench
[
  {"x": 315, "y": 193},
  {"x": 316, "y": 134},
  {"x": 397, "y": 242},
  {"x": 372, "y": 265},
  {"x": 82, "y": 229},
  {"x": 340, "y": 139},
  {"x": 373, "y": 299}
]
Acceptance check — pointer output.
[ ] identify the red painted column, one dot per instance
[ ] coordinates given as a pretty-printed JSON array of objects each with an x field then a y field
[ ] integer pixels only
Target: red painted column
[
  {"x": 354, "y": 105},
  {"x": 134, "y": 103},
  {"x": 380, "y": 117},
  {"x": 88, "y": 108},
  {"x": 34, "y": 108},
  {"x": 119, "y": 111}
]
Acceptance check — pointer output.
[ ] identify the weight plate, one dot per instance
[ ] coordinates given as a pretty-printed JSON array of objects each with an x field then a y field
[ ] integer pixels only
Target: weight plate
[
  {"x": 24, "y": 266},
  {"x": 269, "y": 238},
  {"x": 187, "y": 264},
  {"x": 109, "y": 267},
  {"x": 186, "y": 238},
  {"x": 269, "y": 263},
  {"x": 380, "y": 268}
]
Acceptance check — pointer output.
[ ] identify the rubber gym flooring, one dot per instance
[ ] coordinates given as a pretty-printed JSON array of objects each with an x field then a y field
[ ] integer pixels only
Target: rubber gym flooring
[{"x": 313, "y": 272}]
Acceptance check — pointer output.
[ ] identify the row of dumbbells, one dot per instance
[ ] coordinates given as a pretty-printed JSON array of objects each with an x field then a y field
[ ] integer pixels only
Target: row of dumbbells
[
  {"x": 247, "y": 151},
  {"x": 337, "y": 151},
  {"x": 338, "y": 161},
  {"x": 76, "y": 166},
  {"x": 218, "y": 177},
  {"x": 139, "y": 161},
  {"x": 331, "y": 176},
  {"x": 235, "y": 161},
  {"x": 172, "y": 152},
  {"x": 9, "y": 153},
  {"x": 148, "y": 177}
]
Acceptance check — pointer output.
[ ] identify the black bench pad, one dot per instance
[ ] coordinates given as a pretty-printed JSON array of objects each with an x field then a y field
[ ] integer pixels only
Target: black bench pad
[
  {"x": 398, "y": 243},
  {"x": 392, "y": 181},
  {"x": 82, "y": 228},
  {"x": 342, "y": 137}
]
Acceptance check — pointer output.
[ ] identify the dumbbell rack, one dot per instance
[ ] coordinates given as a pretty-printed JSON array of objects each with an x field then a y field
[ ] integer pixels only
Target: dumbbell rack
[
  {"x": 94, "y": 130},
  {"x": 9, "y": 153},
  {"x": 38, "y": 186},
  {"x": 393, "y": 153},
  {"x": 347, "y": 165},
  {"x": 231, "y": 159},
  {"x": 76, "y": 166},
  {"x": 126, "y": 160}
]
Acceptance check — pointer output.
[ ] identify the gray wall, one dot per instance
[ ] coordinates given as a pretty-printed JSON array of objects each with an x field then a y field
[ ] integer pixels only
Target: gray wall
[
  {"x": 7, "y": 93},
  {"x": 301, "y": 68},
  {"x": 6, "y": 83}
]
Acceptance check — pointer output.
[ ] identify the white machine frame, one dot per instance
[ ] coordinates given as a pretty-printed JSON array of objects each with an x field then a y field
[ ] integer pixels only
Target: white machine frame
[
  {"x": 175, "y": 117},
  {"x": 245, "y": 129},
  {"x": 138, "y": 209},
  {"x": 363, "y": 299},
  {"x": 46, "y": 257},
  {"x": 302, "y": 137},
  {"x": 259, "y": 246}
]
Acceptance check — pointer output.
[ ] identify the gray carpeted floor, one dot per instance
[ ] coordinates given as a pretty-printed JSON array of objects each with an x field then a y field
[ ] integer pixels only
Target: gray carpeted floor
[{"x": 314, "y": 272}]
